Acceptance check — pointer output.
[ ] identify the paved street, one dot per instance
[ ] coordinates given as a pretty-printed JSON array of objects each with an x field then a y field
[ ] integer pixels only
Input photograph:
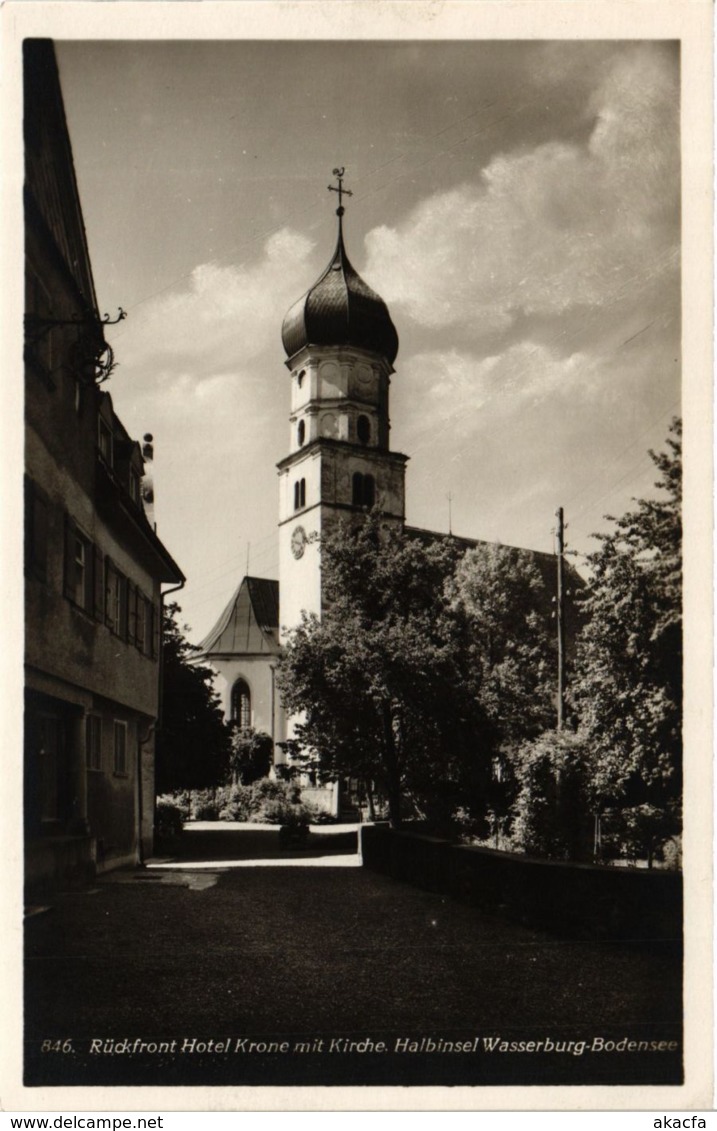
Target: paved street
[{"x": 306, "y": 949}]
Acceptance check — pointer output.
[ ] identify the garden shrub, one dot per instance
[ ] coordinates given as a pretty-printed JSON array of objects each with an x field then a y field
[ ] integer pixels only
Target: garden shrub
[
  {"x": 169, "y": 820},
  {"x": 264, "y": 800},
  {"x": 278, "y": 811},
  {"x": 204, "y": 805}
]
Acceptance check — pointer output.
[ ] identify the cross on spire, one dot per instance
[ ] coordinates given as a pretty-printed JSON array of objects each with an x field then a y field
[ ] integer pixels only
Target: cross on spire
[{"x": 339, "y": 174}]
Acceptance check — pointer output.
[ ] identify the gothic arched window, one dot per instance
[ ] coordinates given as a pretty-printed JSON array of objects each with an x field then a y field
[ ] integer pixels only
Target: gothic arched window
[
  {"x": 241, "y": 704},
  {"x": 363, "y": 429},
  {"x": 301, "y": 433}
]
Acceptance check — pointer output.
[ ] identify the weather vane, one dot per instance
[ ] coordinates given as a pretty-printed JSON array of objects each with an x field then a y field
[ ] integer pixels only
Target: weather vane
[{"x": 339, "y": 174}]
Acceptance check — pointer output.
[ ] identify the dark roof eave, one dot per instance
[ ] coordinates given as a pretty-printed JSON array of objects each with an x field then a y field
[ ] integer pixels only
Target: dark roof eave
[{"x": 141, "y": 522}]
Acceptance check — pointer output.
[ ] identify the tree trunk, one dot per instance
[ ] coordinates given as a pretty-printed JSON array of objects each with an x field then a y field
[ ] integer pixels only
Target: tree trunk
[
  {"x": 390, "y": 761},
  {"x": 369, "y": 800}
]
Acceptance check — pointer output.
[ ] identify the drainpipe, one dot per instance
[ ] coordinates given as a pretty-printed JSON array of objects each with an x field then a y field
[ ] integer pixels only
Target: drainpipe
[
  {"x": 167, "y": 592},
  {"x": 157, "y": 724},
  {"x": 140, "y": 807}
]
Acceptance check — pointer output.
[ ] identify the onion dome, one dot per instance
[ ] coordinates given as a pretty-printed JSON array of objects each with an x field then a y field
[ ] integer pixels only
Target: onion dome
[{"x": 340, "y": 309}]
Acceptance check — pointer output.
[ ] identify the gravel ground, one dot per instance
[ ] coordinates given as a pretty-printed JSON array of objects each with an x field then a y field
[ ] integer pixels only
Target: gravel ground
[{"x": 314, "y": 953}]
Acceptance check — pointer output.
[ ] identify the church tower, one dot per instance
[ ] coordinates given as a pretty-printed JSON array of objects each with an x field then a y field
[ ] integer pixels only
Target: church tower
[{"x": 341, "y": 345}]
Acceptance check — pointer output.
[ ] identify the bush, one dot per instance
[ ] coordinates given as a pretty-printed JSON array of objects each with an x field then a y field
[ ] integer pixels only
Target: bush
[
  {"x": 278, "y": 811},
  {"x": 236, "y": 804},
  {"x": 204, "y": 805},
  {"x": 551, "y": 809},
  {"x": 168, "y": 821},
  {"x": 263, "y": 800}
]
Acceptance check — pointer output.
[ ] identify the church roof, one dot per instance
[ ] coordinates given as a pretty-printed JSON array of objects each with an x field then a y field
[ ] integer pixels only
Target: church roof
[
  {"x": 545, "y": 563},
  {"x": 340, "y": 309},
  {"x": 249, "y": 623}
]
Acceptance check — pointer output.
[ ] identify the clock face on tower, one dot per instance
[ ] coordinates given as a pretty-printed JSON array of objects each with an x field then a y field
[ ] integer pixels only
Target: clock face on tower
[{"x": 298, "y": 541}]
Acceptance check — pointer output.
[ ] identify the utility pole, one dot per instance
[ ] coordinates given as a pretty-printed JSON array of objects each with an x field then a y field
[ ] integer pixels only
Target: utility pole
[{"x": 559, "y": 549}]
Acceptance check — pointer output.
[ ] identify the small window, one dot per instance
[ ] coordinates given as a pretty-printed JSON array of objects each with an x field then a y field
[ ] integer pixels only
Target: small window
[
  {"x": 301, "y": 433},
  {"x": 93, "y": 742},
  {"x": 104, "y": 441},
  {"x": 299, "y": 494},
  {"x": 363, "y": 429},
  {"x": 369, "y": 491},
  {"x": 78, "y": 568},
  {"x": 300, "y": 378},
  {"x": 134, "y": 485},
  {"x": 120, "y": 747},
  {"x": 115, "y": 600}
]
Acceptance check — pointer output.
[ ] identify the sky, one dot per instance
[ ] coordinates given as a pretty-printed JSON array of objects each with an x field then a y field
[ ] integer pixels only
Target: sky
[{"x": 516, "y": 204}]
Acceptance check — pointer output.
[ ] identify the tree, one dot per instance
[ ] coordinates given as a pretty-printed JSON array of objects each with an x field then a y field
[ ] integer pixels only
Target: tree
[
  {"x": 251, "y": 754},
  {"x": 192, "y": 748},
  {"x": 380, "y": 681},
  {"x": 551, "y": 804},
  {"x": 499, "y": 594},
  {"x": 628, "y": 689}
]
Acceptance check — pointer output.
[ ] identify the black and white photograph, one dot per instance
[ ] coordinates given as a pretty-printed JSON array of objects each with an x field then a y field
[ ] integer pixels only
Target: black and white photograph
[{"x": 360, "y": 747}]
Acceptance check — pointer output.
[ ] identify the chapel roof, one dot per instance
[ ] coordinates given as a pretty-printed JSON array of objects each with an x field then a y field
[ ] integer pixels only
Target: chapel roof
[
  {"x": 340, "y": 309},
  {"x": 250, "y": 622}
]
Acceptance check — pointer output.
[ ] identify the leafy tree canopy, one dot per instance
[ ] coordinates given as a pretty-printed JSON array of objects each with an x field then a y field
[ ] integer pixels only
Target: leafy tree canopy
[
  {"x": 378, "y": 680},
  {"x": 192, "y": 748},
  {"x": 509, "y": 636},
  {"x": 628, "y": 687},
  {"x": 251, "y": 754}
]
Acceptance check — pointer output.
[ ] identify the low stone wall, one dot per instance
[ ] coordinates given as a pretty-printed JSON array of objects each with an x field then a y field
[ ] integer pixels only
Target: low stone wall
[{"x": 583, "y": 900}]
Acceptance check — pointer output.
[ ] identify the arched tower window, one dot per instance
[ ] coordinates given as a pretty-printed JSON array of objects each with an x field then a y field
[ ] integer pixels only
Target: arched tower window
[
  {"x": 299, "y": 494},
  {"x": 301, "y": 433},
  {"x": 241, "y": 704},
  {"x": 357, "y": 489},
  {"x": 369, "y": 490},
  {"x": 363, "y": 429}
]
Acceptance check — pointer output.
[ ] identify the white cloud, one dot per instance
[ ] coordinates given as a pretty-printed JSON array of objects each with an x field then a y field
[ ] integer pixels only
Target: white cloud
[
  {"x": 549, "y": 229},
  {"x": 220, "y": 317}
]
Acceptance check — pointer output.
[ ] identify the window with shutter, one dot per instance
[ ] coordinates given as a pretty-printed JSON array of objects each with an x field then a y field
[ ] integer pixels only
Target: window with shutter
[
  {"x": 79, "y": 567},
  {"x": 115, "y": 600},
  {"x": 156, "y": 631},
  {"x": 99, "y": 584},
  {"x": 141, "y": 623},
  {"x": 131, "y": 612}
]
